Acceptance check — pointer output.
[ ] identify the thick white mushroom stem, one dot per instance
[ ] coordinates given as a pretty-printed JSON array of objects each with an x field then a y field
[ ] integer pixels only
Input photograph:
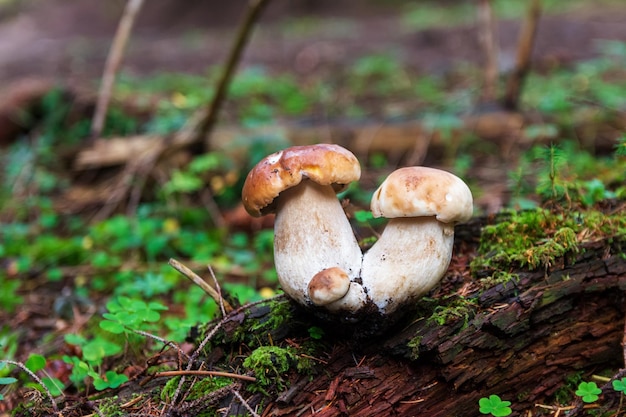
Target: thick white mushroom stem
[
  {"x": 312, "y": 233},
  {"x": 407, "y": 261}
]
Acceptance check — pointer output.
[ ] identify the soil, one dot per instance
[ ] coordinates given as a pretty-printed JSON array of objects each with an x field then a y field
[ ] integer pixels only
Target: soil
[{"x": 69, "y": 40}]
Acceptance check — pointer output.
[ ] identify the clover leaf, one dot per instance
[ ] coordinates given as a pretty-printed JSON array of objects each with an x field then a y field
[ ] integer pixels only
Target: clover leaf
[
  {"x": 589, "y": 391},
  {"x": 495, "y": 406},
  {"x": 620, "y": 385}
]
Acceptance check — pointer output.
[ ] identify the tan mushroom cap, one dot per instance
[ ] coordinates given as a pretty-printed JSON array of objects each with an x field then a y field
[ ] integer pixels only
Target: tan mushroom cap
[
  {"x": 326, "y": 164},
  {"x": 423, "y": 191},
  {"x": 328, "y": 285}
]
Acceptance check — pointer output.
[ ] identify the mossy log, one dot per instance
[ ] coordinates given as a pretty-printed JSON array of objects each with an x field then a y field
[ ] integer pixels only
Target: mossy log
[{"x": 522, "y": 340}]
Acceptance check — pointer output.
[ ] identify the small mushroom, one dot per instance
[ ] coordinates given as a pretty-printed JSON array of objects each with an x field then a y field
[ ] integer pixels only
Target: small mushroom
[
  {"x": 415, "y": 248},
  {"x": 311, "y": 230},
  {"x": 328, "y": 285}
]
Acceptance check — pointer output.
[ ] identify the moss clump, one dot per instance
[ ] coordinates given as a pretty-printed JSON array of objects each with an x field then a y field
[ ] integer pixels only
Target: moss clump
[
  {"x": 194, "y": 388},
  {"x": 264, "y": 324},
  {"x": 536, "y": 238},
  {"x": 270, "y": 365},
  {"x": 460, "y": 308},
  {"x": 110, "y": 407},
  {"x": 499, "y": 277}
]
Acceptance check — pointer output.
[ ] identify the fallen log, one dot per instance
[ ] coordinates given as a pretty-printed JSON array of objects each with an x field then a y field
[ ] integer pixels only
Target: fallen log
[{"x": 523, "y": 339}]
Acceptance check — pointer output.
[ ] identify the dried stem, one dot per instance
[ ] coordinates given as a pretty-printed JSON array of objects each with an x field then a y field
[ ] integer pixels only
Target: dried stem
[
  {"x": 36, "y": 379},
  {"x": 245, "y": 403},
  {"x": 255, "y": 7},
  {"x": 489, "y": 44},
  {"x": 205, "y": 373},
  {"x": 112, "y": 65},
  {"x": 524, "y": 52},
  {"x": 226, "y": 307}
]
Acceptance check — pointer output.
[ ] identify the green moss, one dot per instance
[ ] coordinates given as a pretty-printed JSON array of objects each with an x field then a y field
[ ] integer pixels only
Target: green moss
[
  {"x": 536, "y": 238},
  {"x": 169, "y": 389},
  {"x": 207, "y": 385},
  {"x": 565, "y": 394},
  {"x": 110, "y": 407},
  {"x": 258, "y": 331},
  {"x": 270, "y": 365},
  {"x": 499, "y": 277},
  {"x": 460, "y": 308},
  {"x": 414, "y": 346}
]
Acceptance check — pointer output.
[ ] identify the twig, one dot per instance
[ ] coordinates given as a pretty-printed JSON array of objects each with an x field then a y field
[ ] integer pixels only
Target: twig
[
  {"x": 112, "y": 65},
  {"x": 255, "y": 7},
  {"x": 245, "y": 403},
  {"x": 161, "y": 340},
  {"x": 219, "y": 291},
  {"x": 37, "y": 379},
  {"x": 205, "y": 373},
  {"x": 142, "y": 164},
  {"x": 487, "y": 38},
  {"x": 524, "y": 51},
  {"x": 227, "y": 308}
]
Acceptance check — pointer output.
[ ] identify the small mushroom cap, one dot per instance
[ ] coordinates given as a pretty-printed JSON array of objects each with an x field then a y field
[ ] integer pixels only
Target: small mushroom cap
[
  {"x": 326, "y": 164},
  {"x": 422, "y": 191},
  {"x": 328, "y": 285}
]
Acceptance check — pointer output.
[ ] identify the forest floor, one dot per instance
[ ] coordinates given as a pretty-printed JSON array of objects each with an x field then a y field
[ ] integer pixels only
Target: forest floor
[{"x": 68, "y": 42}]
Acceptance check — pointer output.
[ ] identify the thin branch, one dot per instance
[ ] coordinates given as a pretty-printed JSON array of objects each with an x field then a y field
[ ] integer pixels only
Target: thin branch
[
  {"x": 245, "y": 403},
  {"x": 255, "y": 7},
  {"x": 112, "y": 65},
  {"x": 524, "y": 52},
  {"x": 161, "y": 340},
  {"x": 489, "y": 44},
  {"x": 219, "y": 291},
  {"x": 202, "y": 284},
  {"x": 37, "y": 379},
  {"x": 205, "y": 373}
]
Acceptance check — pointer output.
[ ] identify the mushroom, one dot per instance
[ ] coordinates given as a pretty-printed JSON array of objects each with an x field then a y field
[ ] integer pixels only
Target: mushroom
[
  {"x": 328, "y": 285},
  {"x": 415, "y": 248},
  {"x": 311, "y": 230}
]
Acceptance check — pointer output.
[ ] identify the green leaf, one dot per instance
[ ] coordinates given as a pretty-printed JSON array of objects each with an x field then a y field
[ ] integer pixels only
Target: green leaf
[
  {"x": 363, "y": 216},
  {"x": 112, "y": 326},
  {"x": 588, "y": 391},
  {"x": 316, "y": 332},
  {"x": 620, "y": 385},
  {"x": 115, "y": 379},
  {"x": 7, "y": 380},
  {"x": 54, "y": 385},
  {"x": 111, "y": 379},
  {"x": 495, "y": 406},
  {"x": 75, "y": 339},
  {"x": 95, "y": 350},
  {"x": 35, "y": 362}
]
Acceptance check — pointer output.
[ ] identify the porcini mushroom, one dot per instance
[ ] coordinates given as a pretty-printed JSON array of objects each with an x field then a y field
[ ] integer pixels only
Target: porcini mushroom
[
  {"x": 311, "y": 230},
  {"x": 415, "y": 248}
]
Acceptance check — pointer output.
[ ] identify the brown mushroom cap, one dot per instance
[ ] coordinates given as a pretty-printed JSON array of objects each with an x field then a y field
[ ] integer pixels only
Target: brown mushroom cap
[
  {"x": 326, "y": 164},
  {"x": 422, "y": 191}
]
